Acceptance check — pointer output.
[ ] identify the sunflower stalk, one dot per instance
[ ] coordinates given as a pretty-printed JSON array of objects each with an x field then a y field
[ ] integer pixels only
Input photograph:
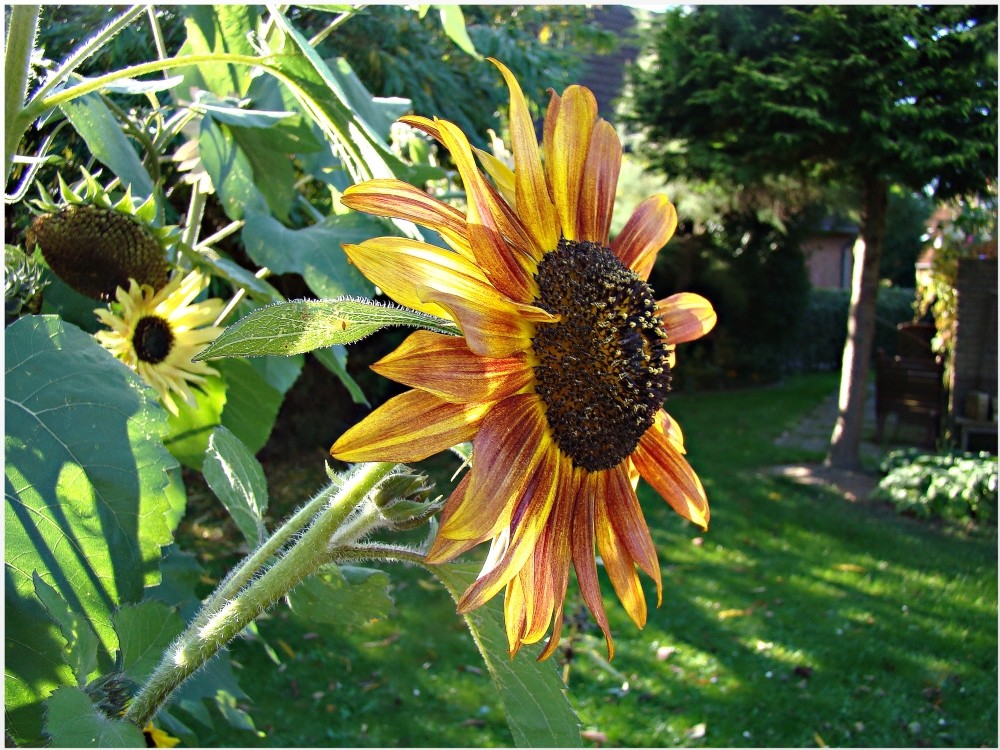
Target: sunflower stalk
[{"x": 336, "y": 518}]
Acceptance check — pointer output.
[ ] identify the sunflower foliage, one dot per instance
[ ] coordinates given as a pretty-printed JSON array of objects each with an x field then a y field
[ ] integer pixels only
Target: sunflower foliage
[{"x": 175, "y": 172}]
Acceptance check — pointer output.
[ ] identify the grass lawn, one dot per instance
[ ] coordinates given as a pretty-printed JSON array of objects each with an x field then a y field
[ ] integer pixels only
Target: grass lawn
[{"x": 798, "y": 619}]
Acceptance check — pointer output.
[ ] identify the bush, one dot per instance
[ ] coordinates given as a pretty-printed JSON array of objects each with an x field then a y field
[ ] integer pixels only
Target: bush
[{"x": 952, "y": 485}]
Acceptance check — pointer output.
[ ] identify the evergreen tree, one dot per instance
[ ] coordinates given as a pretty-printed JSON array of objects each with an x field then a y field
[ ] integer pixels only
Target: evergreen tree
[{"x": 873, "y": 96}]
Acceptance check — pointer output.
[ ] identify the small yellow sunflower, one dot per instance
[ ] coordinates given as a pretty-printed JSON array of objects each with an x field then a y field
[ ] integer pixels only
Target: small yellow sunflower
[
  {"x": 158, "y": 333},
  {"x": 561, "y": 372}
]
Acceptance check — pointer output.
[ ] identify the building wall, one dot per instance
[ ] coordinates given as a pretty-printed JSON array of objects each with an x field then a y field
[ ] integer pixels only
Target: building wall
[
  {"x": 829, "y": 260},
  {"x": 975, "y": 363}
]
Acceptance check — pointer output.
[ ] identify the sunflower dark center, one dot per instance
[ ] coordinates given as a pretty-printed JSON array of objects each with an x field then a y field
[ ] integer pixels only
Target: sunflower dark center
[
  {"x": 152, "y": 339},
  {"x": 603, "y": 369}
]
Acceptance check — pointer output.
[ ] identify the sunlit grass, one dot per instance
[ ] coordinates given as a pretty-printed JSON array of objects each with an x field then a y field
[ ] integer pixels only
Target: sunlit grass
[{"x": 797, "y": 619}]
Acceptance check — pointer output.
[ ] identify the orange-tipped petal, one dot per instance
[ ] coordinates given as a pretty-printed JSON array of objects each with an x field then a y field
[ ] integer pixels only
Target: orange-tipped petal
[
  {"x": 444, "y": 365},
  {"x": 410, "y": 427},
  {"x": 399, "y": 266},
  {"x": 669, "y": 473},
  {"x": 582, "y": 547},
  {"x": 577, "y": 111},
  {"x": 625, "y": 516},
  {"x": 398, "y": 199},
  {"x": 526, "y": 526},
  {"x": 600, "y": 179},
  {"x": 533, "y": 205},
  {"x": 669, "y": 430},
  {"x": 506, "y": 455},
  {"x": 647, "y": 230},
  {"x": 618, "y": 562},
  {"x": 686, "y": 316}
]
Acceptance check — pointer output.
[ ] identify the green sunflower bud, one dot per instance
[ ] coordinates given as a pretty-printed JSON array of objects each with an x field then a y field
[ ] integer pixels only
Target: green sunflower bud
[
  {"x": 96, "y": 250},
  {"x": 111, "y": 693}
]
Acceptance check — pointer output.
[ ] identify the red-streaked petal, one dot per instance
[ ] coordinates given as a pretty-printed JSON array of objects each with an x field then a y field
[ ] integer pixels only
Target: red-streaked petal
[
  {"x": 514, "y": 614},
  {"x": 395, "y": 198},
  {"x": 493, "y": 326},
  {"x": 533, "y": 205},
  {"x": 617, "y": 561},
  {"x": 506, "y": 454},
  {"x": 582, "y": 546},
  {"x": 668, "y": 430},
  {"x": 444, "y": 365},
  {"x": 600, "y": 179},
  {"x": 508, "y": 270},
  {"x": 525, "y": 527},
  {"x": 686, "y": 316},
  {"x": 570, "y": 144},
  {"x": 669, "y": 473},
  {"x": 625, "y": 515},
  {"x": 445, "y": 549},
  {"x": 647, "y": 230},
  {"x": 410, "y": 427},
  {"x": 548, "y": 135},
  {"x": 400, "y": 266}
]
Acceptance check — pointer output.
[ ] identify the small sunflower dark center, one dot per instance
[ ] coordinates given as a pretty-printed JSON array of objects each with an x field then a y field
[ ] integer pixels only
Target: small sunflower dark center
[
  {"x": 152, "y": 339},
  {"x": 603, "y": 369}
]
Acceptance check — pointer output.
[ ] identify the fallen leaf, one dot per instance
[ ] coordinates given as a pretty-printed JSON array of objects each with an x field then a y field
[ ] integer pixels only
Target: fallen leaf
[
  {"x": 819, "y": 740},
  {"x": 727, "y": 613},
  {"x": 849, "y": 568},
  {"x": 697, "y": 731}
]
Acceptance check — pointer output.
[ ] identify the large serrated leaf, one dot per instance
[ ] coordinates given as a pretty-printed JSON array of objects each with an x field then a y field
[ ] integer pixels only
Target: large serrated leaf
[
  {"x": 88, "y": 488},
  {"x": 145, "y": 630},
  {"x": 533, "y": 695},
  {"x": 342, "y": 596},
  {"x": 302, "y": 326},
  {"x": 237, "y": 479},
  {"x": 103, "y": 134},
  {"x": 81, "y": 641},
  {"x": 71, "y": 720},
  {"x": 227, "y": 165},
  {"x": 313, "y": 252}
]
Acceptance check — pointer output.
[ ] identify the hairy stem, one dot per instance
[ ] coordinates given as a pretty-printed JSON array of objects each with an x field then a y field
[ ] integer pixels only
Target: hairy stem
[
  {"x": 17, "y": 63},
  {"x": 215, "y": 626}
]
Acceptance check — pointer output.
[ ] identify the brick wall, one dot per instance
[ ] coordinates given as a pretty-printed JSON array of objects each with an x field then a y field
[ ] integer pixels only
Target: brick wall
[{"x": 975, "y": 365}]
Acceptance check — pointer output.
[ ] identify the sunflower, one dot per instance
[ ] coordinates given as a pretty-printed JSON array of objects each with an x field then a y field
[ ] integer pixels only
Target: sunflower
[
  {"x": 561, "y": 371},
  {"x": 156, "y": 737},
  {"x": 157, "y": 333}
]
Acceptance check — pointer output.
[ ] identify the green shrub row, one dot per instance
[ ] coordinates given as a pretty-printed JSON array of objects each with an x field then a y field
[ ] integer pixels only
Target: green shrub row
[{"x": 951, "y": 485}]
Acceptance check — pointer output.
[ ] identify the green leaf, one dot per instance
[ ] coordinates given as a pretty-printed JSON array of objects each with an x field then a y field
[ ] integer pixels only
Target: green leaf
[
  {"x": 306, "y": 325},
  {"x": 145, "y": 630},
  {"x": 334, "y": 359},
  {"x": 88, "y": 484},
  {"x": 191, "y": 427},
  {"x": 313, "y": 252},
  {"x": 252, "y": 403},
  {"x": 533, "y": 695},
  {"x": 81, "y": 641},
  {"x": 343, "y": 596},
  {"x": 247, "y": 118},
  {"x": 227, "y": 165},
  {"x": 237, "y": 479},
  {"x": 274, "y": 175},
  {"x": 103, "y": 135},
  {"x": 132, "y": 86},
  {"x": 212, "y": 29},
  {"x": 453, "y": 23},
  {"x": 71, "y": 720}
]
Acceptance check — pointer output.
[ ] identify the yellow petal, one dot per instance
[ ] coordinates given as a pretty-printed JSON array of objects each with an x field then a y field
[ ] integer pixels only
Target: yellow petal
[
  {"x": 686, "y": 317},
  {"x": 500, "y": 173},
  {"x": 444, "y": 365},
  {"x": 600, "y": 180},
  {"x": 395, "y": 198},
  {"x": 493, "y": 326},
  {"x": 669, "y": 473},
  {"x": 570, "y": 144},
  {"x": 625, "y": 516},
  {"x": 647, "y": 230},
  {"x": 582, "y": 547},
  {"x": 619, "y": 565},
  {"x": 410, "y": 427},
  {"x": 532, "y": 203}
]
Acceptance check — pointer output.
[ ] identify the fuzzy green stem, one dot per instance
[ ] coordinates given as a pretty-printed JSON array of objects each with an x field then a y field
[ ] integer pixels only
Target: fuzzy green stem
[
  {"x": 17, "y": 62},
  {"x": 212, "y": 630}
]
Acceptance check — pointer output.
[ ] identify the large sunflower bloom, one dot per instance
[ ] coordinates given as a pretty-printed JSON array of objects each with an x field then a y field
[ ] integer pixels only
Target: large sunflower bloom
[
  {"x": 158, "y": 333},
  {"x": 561, "y": 371}
]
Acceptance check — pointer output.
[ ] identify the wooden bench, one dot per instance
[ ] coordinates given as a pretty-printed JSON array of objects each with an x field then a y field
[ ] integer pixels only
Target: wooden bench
[{"x": 913, "y": 390}]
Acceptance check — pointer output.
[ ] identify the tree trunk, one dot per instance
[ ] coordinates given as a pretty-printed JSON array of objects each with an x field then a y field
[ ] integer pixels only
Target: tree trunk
[{"x": 845, "y": 442}]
